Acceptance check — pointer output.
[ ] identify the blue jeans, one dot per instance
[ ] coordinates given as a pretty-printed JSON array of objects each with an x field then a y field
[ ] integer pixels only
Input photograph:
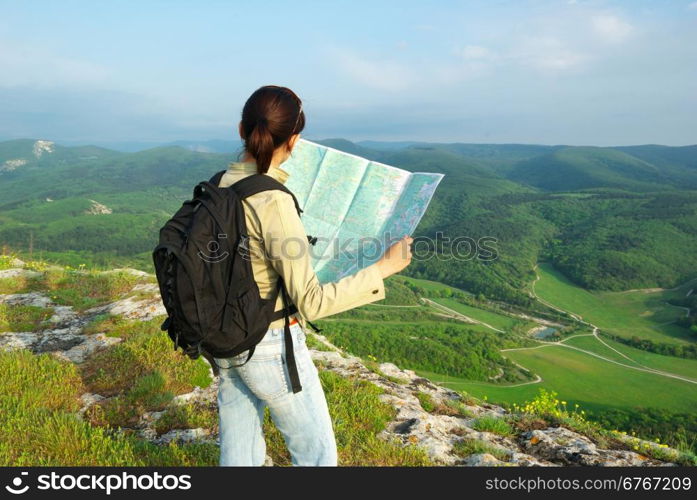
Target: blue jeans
[{"x": 302, "y": 418}]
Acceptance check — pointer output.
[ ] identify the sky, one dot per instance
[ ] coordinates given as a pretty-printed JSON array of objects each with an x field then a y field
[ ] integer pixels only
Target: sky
[{"x": 523, "y": 71}]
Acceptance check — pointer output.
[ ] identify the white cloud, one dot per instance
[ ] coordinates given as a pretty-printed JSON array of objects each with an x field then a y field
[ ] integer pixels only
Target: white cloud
[
  {"x": 611, "y": 28},
  {"x": 382, "y": 74},
  {"x": 469, "y": 52},
  {"x": 559, "y": 42},
  {"x": 547, "y": 53}
]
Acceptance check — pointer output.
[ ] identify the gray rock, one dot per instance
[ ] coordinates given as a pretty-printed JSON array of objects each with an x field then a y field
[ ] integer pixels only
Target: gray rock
[
  {"x": 561, "y": 445},
  {"x": 149, "y": 419},
  {"x": 65, "y": 316},
  {"x": 198, "y": 395},
  {"x": 132, "y": 308},
  {"x": 25, "y": 299},
  {"x": 184, "y": 436},
  {"x": 19, "y": 273},
  {"x": 89, "y": 345},
  {"x": 88, "y": 399}
]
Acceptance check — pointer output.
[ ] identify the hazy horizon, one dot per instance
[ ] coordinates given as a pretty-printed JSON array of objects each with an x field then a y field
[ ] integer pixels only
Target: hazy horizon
[{"x": 129, "y": 145}]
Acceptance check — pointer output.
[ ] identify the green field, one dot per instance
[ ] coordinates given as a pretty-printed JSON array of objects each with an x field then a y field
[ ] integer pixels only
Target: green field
[
  {"x": 493, "y": 392},
  {"x": 679, "y": 366},
  {"x": 596, "y": 384},
  {"x": 641, "y": 314},
  {"x": 499, "y": 321},
  {"x": 580, "y": 378},
  {"x": 432, "y": 286},
  {"x": 592, "y": 344}
]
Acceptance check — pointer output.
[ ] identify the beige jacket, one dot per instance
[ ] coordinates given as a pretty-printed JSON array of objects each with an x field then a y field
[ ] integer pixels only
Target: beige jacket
[{"x": 279, "y": 246}]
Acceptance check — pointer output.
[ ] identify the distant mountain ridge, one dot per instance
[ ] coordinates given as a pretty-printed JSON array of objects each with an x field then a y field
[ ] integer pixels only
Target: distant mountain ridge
[{"x": 605, "y": 216}]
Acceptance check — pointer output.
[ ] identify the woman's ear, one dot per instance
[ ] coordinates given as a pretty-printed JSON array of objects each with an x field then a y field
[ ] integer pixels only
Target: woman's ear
[
  {"x": 241, "y": 130},
  {"x": 291, "y": 142}
]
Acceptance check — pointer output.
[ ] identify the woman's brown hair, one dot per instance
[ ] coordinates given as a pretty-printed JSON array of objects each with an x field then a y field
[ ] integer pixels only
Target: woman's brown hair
[{"x": 271, "y": 115}]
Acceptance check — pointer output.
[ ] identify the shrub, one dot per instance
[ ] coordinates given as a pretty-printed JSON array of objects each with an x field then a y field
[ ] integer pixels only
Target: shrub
[{"x": 489, "y": 423}]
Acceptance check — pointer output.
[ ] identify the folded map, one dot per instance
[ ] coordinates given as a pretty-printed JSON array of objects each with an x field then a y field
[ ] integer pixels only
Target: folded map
[{"x": 355, "y": 207}]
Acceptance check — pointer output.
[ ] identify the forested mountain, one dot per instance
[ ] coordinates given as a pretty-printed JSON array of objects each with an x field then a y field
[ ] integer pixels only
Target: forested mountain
[
  {"x": 584, "y": 168},
  {"x": 609, "y": 218}
]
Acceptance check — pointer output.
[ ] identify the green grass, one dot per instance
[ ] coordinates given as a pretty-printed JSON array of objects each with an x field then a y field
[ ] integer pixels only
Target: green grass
[
  {"x": 489, "y": 423},
  {"x": 142, "y": 372},
  {"x": 481, "y": 390},
  {"x": 38, "y": 400},
  {"x": 445, "y": 347},
  {"x": 434, "y": 287},
  {"x": 189, "y": 415},
  {"x": 148, "y": 393},
  {"x": 469, "y": 446},
  {"x": 580, "y": 378},
  {"x": 679, "y": 366},
  {"x": 6, "y": 262},
  {"x": 83, "y": 289},
  {"x": 500, "y": 321},
  {"x": 16, "y": 284},
  {"x": 40, "y": 381},
  {"x": 592, "y": 344},
  {"x": 40, "y": 395},
  {"x": 628, "y": 314},
  {"x": 589, "y": 381},
  {"x": 145, "y": 350},
  {"x": 112, "y": 325},
  {"x": 19, "y": 318},
  {"x": 426, "y": 401},
  {"x": 314, "y": 343},
  {"x": 358, "y": 416}
]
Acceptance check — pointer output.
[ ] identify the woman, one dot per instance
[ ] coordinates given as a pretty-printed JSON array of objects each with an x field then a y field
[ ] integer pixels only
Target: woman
[{"x": 272, "y": 119}]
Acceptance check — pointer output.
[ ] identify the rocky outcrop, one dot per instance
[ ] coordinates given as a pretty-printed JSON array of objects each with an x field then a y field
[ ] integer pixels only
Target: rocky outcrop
[
  {"x": 427, "y": 415},
  {"x": 41, "y": 147},
  {"x": 439, "y": 434},
  {"x": 18, "y": 273},
  {"x": 64, "y": 337},
  {"x": 10, "y": 165},
  {"x": 563, "y": 446},
  {"x": 143, "y": 309},
  {"x": 97, "y": 208}
]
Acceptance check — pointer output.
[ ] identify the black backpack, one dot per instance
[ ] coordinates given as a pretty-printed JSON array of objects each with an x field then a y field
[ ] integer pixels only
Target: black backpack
[{"x": 205, "y": 276}]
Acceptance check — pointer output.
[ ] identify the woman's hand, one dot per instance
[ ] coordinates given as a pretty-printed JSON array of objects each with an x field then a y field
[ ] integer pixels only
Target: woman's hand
[{"x": 396, "y": 258}]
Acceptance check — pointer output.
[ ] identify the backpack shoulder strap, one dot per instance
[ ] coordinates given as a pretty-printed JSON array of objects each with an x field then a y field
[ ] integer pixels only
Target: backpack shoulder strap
[
  {"x": 256, "y": 183},
  {"x": 215, "y": 180}
]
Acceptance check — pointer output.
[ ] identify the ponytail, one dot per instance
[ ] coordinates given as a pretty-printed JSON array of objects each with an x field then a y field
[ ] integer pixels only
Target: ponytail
[{"x": 260, "y": 145}]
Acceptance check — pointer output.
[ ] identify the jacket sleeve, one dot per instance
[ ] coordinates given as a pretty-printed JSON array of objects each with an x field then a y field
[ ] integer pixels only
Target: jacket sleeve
[{"x": 289, "y": 253}]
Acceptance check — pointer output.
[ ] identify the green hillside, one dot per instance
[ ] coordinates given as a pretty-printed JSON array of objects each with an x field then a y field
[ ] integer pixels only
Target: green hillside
[
  {"x": 608, "y": 239},
  {"x": 575, "y": 168}
]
